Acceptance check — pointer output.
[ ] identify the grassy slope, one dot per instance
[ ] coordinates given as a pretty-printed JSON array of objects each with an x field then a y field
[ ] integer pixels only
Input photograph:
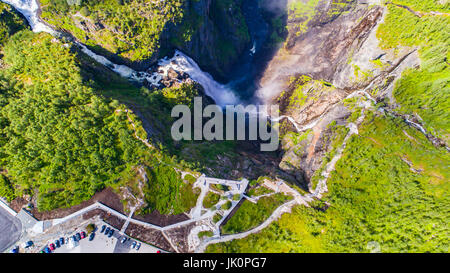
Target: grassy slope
[
  {"x": 250, "y": 215},
  {"x": 391, "y": 185},
  {"x": 425, "y": 91},
  {"x": 374, "y": 196}
]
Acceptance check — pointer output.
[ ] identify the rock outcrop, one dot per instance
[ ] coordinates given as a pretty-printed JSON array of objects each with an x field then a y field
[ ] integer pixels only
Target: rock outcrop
[
  {"x": 329, "y": 54},
  {"x": 213, "y": 32}
]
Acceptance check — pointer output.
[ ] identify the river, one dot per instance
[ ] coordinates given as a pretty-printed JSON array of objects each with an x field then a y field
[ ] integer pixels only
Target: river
[{"x": 222, "y": 94}]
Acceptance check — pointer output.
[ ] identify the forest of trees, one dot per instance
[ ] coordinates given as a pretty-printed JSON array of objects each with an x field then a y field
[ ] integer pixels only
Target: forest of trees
[
  {"x": 131, "y": 28},
  {"x": 61, "y": 136}
]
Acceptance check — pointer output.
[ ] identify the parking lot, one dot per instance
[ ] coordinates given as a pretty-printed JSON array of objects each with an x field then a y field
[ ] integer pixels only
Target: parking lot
[{"x": 104, "y": 244}]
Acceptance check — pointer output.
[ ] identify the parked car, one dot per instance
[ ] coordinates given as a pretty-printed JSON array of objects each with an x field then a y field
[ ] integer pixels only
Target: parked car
[
  {"x": 159, "y": 251},
  {"x": 83, "y": 235},
  {"x": 52, "y": 246},
  {"x": 138, "y": 246},
  {"x": 57, "y": 244},
  {"x": 103, "y": 229},
  {"x": 91, "y": 237},
  {"x": 74, "y": 238},
  {"x": 61, "y": 240},
  {"x": 107, "y": 230},
  {"x": 47, "y": 250},
  {"x": 15, "y": 250},
  {"x": 133, "y": 245},
  {"x": 28, "y": 244},
  {"x": 78, "y": 236},
  {"x": 124, "y": 239},
  {"x": 111, "y": 232}
]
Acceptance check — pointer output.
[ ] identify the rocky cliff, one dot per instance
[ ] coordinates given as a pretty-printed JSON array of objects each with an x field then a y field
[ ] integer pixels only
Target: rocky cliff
[
  {"x": 212, "y": 32},
  {"x": 331, "y": 51}
]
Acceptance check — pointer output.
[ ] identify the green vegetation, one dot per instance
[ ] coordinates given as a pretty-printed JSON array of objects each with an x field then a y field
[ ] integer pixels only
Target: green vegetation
[
  {"x": 207, "y": 233},
  {"x": 301, "y": 10},
  {"x": 6, "y": 188},
  {"x": 219, "y": 188},
  {"x": 90, "y": 228},
  {"x": 258, "y": 191},
  {"x": 217, "y": 217},
  {"x": 423, "y": 91},
  {"x": 129, "y": 28},
  {"x": 250, "y": 215},
  {"x": 425, "y": 5},
  {"x": 306, "y": 11},
  {"x": 10, "y": 22},
  {"x": 210, "y": 200},
  {"x": 227, "y": 205},
  {"x": 63, "y": 133},
  {"x": 303, "y": 89},
  {"x": 57, "y": 135},
  {"x": 374, "y": 196},
  {"x": 338, "y": 136},
  {"x": 166, "y": 192}
]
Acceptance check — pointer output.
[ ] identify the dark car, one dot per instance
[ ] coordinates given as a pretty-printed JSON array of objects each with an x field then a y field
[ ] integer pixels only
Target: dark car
[
  {"x": 61, "y": 240},
  {"x": 83, "y": 235},
  {"x": 111, "y": 232},
  {"x": 103, "y": 229},
  {"x": 28, "y": 244},
  {"x": 52, "y": 246},
  {"x": 133, "y": 245},
  {"x": 74, "y": 238},
  {"x": 15, "y": 250},
  {"x": 47, "y": 250},
  {"x": 107, "y": 230},
  {"x": 91, "y": 237},
  {"x": 78, "y": 236},
  {"x": 57, "y": 244}
]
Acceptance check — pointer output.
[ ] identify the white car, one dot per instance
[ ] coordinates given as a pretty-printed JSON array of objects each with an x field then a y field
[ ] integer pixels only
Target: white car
[{"x": 124, "y": 239}]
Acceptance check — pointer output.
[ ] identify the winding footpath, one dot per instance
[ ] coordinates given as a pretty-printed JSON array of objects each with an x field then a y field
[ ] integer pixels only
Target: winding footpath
[
  {"x": 199, "y": 215},
  {"x": 419, "y": 14}
]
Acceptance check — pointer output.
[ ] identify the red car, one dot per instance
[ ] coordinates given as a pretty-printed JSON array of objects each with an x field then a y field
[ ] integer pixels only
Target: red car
[
  {"x": 83, "y": 235},
  {"x": 52, "y": 246}
]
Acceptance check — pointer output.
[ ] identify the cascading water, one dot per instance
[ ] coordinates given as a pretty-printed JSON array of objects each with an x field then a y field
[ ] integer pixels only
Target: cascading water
[
  {"x": 221, "y": 94},
  {"x": 29, "y": 9}
]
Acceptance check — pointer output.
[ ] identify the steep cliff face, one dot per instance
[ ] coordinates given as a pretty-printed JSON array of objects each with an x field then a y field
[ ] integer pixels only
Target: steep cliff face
[
  {"x": 212, "y": 32},
  {"x": 331, "y": 51}
]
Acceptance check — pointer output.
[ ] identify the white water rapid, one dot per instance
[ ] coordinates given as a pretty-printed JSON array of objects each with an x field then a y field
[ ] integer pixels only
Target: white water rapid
[{"x": 221, "y": 94}]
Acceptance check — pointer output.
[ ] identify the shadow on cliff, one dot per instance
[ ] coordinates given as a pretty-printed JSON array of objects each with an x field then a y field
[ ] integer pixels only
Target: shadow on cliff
[{"x": 266, "y": 21}]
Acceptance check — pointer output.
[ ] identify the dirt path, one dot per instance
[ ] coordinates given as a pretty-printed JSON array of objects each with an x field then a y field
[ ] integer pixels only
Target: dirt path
[{"x": 419, "y": 14}]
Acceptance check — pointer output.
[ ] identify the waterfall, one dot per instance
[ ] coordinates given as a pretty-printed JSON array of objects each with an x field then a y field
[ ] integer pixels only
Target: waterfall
[
  {"x": 29, "y": 9},
  {"x": 221, "y": 94}
]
